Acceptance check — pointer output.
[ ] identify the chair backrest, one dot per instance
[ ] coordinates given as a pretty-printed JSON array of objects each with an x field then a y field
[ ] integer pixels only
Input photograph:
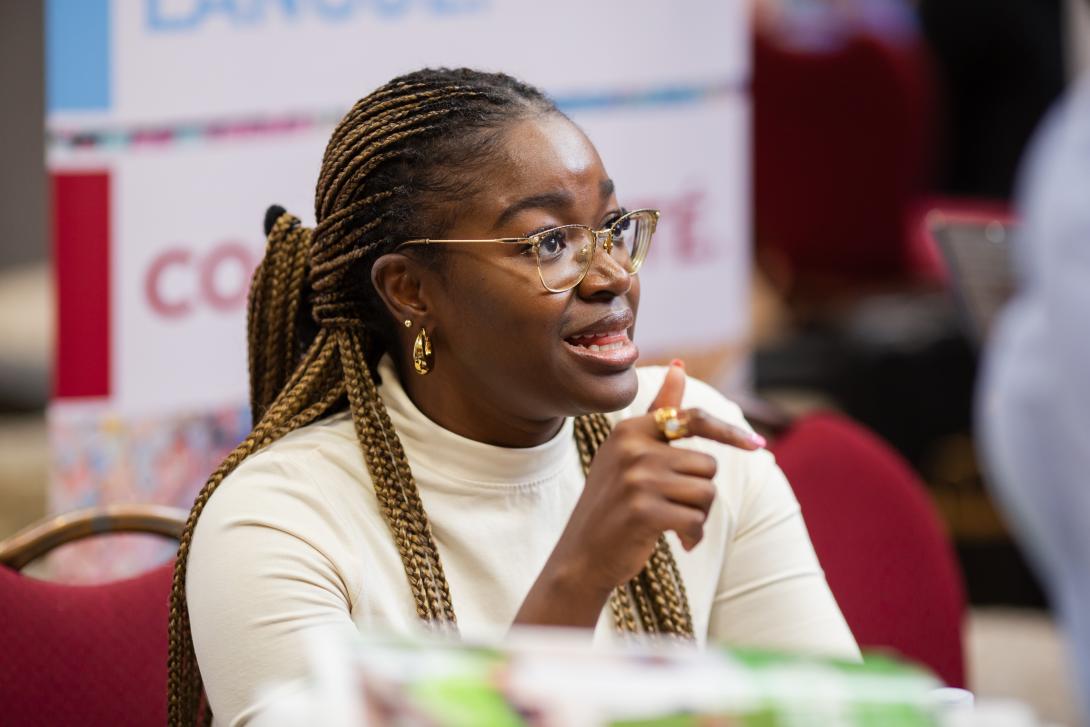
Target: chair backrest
[
  {"x": 876, "y": 533},
  {"x": 842, "y": 142},
  {"x": 84, "y": 654}
]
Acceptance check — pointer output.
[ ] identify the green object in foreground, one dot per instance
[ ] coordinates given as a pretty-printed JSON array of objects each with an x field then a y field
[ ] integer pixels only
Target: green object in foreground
[
  {"x": 465, "y": 703},
  {"x": 461, "y": 686}
]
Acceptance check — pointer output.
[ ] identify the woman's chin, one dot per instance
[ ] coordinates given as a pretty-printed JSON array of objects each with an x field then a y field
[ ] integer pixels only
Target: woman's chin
[{"x": 606, "y": 393}]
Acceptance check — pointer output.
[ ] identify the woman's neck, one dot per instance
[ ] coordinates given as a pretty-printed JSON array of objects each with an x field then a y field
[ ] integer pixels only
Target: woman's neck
[{"x": 470, "y": 414}]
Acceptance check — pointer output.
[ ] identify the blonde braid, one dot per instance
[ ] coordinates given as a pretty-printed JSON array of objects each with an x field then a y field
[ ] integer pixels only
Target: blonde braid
[
  {"x": 588, "y": 437},
  {"x": 647, "y": 613},
  {"x": 355, "y": 122},
  {"x": 676, "y": 596},
  {"x": 395, "y": 486},
  {"x": 658, "y": 589},
  {"x": 184, "y": 687}
]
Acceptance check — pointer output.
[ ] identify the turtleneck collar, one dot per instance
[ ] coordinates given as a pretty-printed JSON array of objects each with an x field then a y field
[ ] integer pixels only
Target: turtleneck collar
[{"x": 463, "y": 460}]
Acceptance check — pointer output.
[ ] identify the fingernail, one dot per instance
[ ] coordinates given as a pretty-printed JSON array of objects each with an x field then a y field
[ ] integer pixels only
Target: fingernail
[
  {"x": 758, "y": 440},
  {"x": 678, "y": 362}
]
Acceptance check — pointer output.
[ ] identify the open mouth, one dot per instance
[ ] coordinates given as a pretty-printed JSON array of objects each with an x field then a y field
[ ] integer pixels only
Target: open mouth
[
  {"x": 607, "y": 341},
  {"x": 604, "y": 344},
  {"x": 608, "y": 351}
]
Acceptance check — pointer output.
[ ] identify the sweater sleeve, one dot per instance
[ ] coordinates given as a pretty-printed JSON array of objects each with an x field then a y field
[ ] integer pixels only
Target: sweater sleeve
[
  {"x": 772, "y": 593},
  {"x": 263, "y": 568}
]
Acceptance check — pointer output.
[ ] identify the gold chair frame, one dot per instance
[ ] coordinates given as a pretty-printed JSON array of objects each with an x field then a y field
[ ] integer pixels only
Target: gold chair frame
[{"x": 38, "y": 539}]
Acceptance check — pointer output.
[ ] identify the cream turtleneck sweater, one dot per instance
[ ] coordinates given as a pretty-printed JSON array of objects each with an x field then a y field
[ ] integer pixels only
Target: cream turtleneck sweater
[{"x": 294, "y": 538}]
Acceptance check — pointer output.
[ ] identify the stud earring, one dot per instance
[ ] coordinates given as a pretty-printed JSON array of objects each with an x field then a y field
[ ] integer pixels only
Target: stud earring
[
  {"x": 423, "y": 360},
  {"x": 408, "y": 323}
]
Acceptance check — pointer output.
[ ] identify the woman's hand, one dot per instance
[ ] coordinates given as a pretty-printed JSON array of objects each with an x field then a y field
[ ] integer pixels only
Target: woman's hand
[{"x": 638, "y": 487}]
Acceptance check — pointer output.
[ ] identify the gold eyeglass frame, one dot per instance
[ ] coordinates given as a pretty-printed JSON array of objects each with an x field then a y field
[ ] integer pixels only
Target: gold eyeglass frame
[{"x": 602, "y": 236}]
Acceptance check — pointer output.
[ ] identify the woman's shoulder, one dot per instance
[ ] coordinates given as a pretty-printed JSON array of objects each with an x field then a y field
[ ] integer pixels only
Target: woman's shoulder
[
  {"x": 313, "y": 469},
  {"x": 315, "y": 447}
]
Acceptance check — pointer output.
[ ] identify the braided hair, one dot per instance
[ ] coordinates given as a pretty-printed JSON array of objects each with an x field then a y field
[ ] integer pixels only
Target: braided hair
[{"x": 317, "y": 328}]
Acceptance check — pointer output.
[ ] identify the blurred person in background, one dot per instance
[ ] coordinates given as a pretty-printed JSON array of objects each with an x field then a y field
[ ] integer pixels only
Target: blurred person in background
[
  {"x": 431, "y": 368},
  {"x": 1033, "y": 407}
]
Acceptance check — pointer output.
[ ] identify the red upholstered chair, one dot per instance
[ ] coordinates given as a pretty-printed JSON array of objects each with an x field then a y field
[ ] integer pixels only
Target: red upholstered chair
[
  {"x": 886, "y": 557},
  {"x": 84, "y": 655},
  {"x": 843, "y": 139}
]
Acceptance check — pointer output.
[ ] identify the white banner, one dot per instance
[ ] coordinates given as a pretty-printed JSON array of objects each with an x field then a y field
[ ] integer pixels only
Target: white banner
[
  {"x": 198, "y": 59},
  {"x": 173, "y": 124}
]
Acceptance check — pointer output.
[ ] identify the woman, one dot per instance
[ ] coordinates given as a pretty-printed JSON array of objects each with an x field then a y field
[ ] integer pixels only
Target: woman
[{"x": 472, "y": 281}]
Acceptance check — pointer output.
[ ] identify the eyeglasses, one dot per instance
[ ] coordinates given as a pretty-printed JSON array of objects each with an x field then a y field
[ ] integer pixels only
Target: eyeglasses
[{"x": 564, "y": 254}]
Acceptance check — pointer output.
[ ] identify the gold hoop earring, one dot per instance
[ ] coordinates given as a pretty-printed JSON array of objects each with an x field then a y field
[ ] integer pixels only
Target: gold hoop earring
[{"x": 423, "y": 360}]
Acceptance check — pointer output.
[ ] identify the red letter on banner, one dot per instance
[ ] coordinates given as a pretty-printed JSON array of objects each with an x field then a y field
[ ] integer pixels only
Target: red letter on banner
[
  {"x": 225, "y": 253},
  {"x": 152, "y": 284}
]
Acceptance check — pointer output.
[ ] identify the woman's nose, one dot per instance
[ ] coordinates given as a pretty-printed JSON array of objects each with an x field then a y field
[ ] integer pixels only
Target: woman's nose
[{"x": 605, "y": 274}]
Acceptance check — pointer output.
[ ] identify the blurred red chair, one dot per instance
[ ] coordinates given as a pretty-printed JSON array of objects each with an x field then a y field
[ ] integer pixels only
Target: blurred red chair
[
  {"x": 843, "y": 144},
  {"x": 85, "y": 655},
  {"x": 885, "y": 555}
]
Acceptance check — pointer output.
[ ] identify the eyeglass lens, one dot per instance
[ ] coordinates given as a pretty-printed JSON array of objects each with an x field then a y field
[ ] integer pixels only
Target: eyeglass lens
[{"x": 564, "y": 254}]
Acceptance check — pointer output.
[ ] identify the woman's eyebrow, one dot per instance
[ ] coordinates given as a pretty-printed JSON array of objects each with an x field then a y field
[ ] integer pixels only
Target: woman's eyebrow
[
  {"x": 549, "y": 201},
  {"x": 605, "y": 189}
]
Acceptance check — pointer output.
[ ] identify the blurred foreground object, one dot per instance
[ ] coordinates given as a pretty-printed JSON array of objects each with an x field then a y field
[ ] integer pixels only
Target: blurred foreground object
[
  {"x": 84, "y": 655},
  {"x": 553, "y": 678},
  {"x": 1033, "y": 407},
  {"x": 888, "y": 561}
]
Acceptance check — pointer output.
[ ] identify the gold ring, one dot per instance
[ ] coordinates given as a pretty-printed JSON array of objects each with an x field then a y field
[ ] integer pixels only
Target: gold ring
[{"x": 671, "y": 423}]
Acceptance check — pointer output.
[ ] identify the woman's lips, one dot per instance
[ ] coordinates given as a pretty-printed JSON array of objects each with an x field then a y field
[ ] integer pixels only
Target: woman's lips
[
  {"x": 600, "y": 341},
  {"x": 614, "y": 348}
]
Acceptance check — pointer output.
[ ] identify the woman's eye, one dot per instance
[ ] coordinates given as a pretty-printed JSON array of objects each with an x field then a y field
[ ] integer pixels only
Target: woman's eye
[
  {"x": 618, "y": 230},
  {"x": 551, "y": 244}
]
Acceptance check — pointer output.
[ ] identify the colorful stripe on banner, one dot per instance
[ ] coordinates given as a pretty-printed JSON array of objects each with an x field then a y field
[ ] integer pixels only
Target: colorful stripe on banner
[
  {"x": 119, "y": 138},
  {"x": 77, "y": 55},
  {"x": 81, "y": 263}
]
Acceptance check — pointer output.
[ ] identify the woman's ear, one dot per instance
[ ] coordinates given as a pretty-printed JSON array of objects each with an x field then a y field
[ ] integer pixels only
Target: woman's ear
[{"x": 397, "y": 279}]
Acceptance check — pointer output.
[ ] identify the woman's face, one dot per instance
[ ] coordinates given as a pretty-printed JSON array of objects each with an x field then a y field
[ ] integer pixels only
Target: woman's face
[{"x": 499, "y": 336}]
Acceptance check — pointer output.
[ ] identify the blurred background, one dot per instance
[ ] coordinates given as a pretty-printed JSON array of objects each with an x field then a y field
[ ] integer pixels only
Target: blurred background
[{"x": 863, "y": 120}]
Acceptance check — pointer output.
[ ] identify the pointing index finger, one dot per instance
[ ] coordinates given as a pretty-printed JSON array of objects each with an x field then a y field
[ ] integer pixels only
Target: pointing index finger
[
  {"x": 699, "y": 423},
  {"x": 702, "y": 424},
  {"x": 673, "y": 387}
]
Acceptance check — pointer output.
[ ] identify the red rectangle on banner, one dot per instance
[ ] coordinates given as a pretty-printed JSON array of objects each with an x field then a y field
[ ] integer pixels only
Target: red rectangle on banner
[{"x": 81, "y": 265}]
